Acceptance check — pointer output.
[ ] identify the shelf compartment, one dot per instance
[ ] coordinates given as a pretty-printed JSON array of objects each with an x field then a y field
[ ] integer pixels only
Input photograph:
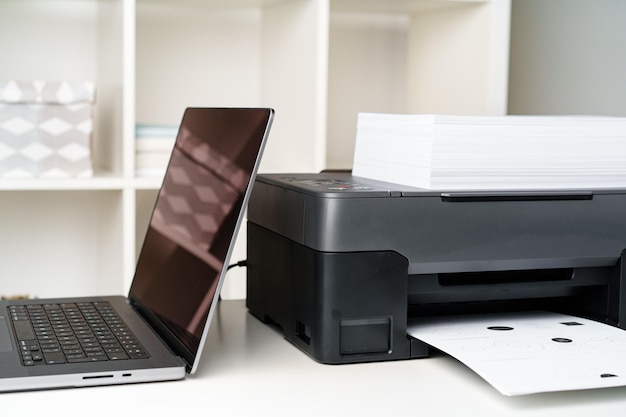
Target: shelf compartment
[
  {"x": 61, "y": 243},
  {"x": 76, "y": 41},
  {"x": 412, "y": 56},
  {"x": 249, "y": 53}
]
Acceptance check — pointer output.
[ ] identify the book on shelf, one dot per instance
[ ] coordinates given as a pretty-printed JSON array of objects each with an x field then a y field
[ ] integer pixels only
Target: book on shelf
[
  {"x": 491, "y": 152},
  {"x": 153, "y": 146}
]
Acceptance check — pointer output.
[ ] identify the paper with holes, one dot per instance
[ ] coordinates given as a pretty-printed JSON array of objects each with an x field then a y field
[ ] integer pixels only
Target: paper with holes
[{"x": 531, "y": 352}]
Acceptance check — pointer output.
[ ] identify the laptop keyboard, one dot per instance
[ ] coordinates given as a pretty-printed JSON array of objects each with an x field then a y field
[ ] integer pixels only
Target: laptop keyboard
[{"x": 71, "y": 333}]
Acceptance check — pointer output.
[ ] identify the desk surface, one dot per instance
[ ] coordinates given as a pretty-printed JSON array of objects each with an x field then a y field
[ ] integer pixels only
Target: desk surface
[{"x": 249, "y": 368}]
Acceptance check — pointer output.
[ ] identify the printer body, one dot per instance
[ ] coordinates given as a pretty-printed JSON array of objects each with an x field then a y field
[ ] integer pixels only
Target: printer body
[{"x": 341, "y": 263}]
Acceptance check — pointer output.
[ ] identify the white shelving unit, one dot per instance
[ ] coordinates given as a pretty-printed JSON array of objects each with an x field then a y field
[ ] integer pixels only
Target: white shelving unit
[
  {"x": 448, "y": 57},
  {"x": 317, "y": 62}
]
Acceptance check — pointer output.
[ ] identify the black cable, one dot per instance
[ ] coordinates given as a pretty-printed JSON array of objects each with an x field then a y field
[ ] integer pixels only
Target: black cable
[{"x": 240, "y": 263}]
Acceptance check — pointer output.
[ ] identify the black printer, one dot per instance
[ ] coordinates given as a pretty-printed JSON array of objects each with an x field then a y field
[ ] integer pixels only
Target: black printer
[{"x": 340, "y": 263}]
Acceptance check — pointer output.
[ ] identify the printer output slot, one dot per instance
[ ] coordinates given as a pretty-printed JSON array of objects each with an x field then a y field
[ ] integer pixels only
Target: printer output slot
[
  {"x": 505, "y": 277},
  {"x": 465, "y": 197},
  {"x": 562, "y": 305},
  {"x": 578, "y": 291},
  {"x": 503, "y": 285}
]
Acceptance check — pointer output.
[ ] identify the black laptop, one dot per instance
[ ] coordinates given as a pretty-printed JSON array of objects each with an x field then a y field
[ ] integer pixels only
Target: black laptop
[{"x": 158, "y": 331}]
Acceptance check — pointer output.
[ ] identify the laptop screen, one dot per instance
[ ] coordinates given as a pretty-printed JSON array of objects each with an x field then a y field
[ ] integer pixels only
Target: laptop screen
[{"x": 195, "y": 221}]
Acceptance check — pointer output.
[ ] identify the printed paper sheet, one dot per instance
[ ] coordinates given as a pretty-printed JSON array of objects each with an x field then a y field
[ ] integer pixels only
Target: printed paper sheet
[{"x": 532, "y": 352}]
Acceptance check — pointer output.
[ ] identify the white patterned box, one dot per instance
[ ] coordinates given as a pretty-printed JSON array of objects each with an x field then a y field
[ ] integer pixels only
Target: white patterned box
[{"x": 46, "y": 129}]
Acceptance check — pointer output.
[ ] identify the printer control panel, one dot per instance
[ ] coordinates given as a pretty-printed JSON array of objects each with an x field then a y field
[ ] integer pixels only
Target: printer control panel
[
  {"x": 341, "y": 185},
  {"x": 333, "y": 186},
  {"x": 329, "y": 184}
]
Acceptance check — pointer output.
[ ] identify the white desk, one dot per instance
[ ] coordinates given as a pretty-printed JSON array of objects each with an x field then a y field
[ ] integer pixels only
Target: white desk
[{"x": 249, "y": 369}]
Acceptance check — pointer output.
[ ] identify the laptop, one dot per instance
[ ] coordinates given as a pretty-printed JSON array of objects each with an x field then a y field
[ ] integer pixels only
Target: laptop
[{"x": 158, "y": 331}]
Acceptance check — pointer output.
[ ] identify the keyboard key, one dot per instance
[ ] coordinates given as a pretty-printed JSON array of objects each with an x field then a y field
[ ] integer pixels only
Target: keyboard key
[
  {"x": 53, "y": 358},
  {"x": 23, "y": 330},
  {"x": 70, "y": 333}
]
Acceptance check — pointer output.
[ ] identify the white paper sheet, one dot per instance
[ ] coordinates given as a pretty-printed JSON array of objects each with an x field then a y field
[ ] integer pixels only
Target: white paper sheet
[{"x": 532, "y": 352}]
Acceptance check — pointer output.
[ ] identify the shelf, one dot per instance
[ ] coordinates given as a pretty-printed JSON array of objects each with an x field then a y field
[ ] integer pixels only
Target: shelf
[
  {"x": 214, "y": 4},
  {"x": 316, "y": 62},
  {"x": 398, "y": 6},
  {"x": 53, "y": 184},
  {"x": 147, "y": 183}
]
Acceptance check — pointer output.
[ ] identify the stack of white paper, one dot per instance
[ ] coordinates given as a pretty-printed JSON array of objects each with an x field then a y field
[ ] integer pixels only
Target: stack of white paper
[{"x": 487, "y": 152}]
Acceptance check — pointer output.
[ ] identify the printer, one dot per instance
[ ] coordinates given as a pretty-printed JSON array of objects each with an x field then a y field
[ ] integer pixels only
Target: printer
[{"x": 341, "y": 263}]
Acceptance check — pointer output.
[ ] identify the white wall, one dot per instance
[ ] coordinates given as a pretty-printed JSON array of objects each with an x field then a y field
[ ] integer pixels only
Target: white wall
[{"x": 568, "y": 57}]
